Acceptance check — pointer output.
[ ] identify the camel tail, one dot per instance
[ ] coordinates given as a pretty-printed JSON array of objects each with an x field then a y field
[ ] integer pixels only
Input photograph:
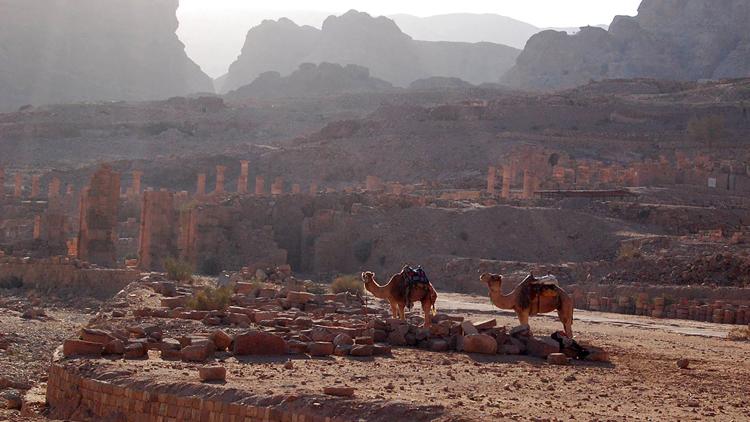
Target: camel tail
[{"x": 433, "y": 299}]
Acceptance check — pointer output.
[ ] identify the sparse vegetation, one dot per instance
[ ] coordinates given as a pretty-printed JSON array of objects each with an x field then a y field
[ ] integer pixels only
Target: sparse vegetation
[
  {"x": 628, "y": 250},
  {"x": 212, "y": 299},
  {"x": 740, "y": 334},
  {"x": 178, "y": 270},
  {"x": 347, "y": 283}
]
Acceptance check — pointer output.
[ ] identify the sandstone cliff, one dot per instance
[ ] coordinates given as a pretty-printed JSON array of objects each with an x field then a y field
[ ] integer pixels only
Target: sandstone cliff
[
  {"x": 312, "y": 81},
  {"x": 668, "y": 39},
  {"x": 54, "y": 51},
  {"x": 375, "y": 43}
]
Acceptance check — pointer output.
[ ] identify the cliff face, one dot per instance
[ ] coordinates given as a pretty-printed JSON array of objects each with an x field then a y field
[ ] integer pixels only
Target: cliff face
[
  {"x": 375, "y": 43},
  {"x": 668, "y": 39},
  {"x": 312, "y": 81},
  {"x": 54, "y": 51}
]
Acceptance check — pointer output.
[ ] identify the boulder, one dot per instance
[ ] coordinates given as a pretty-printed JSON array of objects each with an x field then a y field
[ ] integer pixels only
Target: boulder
[
  {"x": 242, "y": 320},
  {"x": 438, "y": 345},
  {"x": 96, "y": 336},
  {"x": 486, "y": 325},
  {"x": 520, "y": 331},
  {"x": 342, "y": 350},
  {"x": 364, "y": 340},
  {"x": 212, "y": 373},
  {"x": 13, "y": 399},
  {"x": 343, "y": 340},
  {"x": 174, "y": 302},
  {"x": 222, "y": 340},
  {"x": 480, "y": 343},
  {"x": 362, "y": 350},
  {"x": 297, "y": 347},
  {"x": 259, "y": 343},
  {"x": 381, "y": 349},
  {"x": 299, "y": 298},
  {"x": 322, "y": 334},
  {"x": 73, "y": 347},
  {"x": 196, "y": 353},
  {"x": 320, "y": 348},
  {"x": 135, "y": 350},
  {"x": 264, "y": 316},
  {"x": 541, "y": 347},
  {"x": 114, "y": 347}
]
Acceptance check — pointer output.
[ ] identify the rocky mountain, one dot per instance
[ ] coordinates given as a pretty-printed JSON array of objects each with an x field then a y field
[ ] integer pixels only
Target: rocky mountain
[
  {"x": 668, "y": 39},
  {"x": 55, "y": 51},
  {"x": 375, "y": 43},
  {"x": 312, "y": 80}
]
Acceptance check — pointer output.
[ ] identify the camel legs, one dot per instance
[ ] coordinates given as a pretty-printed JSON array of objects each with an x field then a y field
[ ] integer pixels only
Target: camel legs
[
  {"x": 401, "y": 312},
  {"x": 567, "y": 322},
  {"x": 394, "y": 310},
  {"x": 426, "y": 308},
  {"x": 523, "y": 318}
]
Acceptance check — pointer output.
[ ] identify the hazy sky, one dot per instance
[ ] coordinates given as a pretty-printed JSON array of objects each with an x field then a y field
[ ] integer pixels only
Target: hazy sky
[
  {"x": 214, "y": 30},
  {"x": 542, "y": 13}
]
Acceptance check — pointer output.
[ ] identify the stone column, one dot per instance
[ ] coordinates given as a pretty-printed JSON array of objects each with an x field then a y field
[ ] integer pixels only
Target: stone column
[
  {"x": 244, "y": 173},
  {"x": 507, "y": 180},
  {"x": 53, "y": 189},
  {"x": 277, "y": 188},
  {"x": 296, "y": 189},
  {"x": 137, "y": 175},
  {"x": 18, "y": 186},
  {"x": 491, "y": 174},
  {"x": 2, "y": 182},
  {"x": 260, "y": 186},
  {"x": 528, "y": 184},
  {"x": 220, "y": 170},
  {"x": 35, "y": 186},
  {"x": 100, "y": 202},
  {"x": 313, "y": 188},
  {"x": 373, "y": 184},
  {"x": 201, "y": 189},
  {"x": 157, "y": 238},
  {"x": 37, "y": 227}
]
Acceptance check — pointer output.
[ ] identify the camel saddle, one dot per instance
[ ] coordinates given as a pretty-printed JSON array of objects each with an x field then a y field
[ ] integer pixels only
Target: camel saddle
[
  {"x": 535, "y": 288},
  {"x": 414, "y": 277}
]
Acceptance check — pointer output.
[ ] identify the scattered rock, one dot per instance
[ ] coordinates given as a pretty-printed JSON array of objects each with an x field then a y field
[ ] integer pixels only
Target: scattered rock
[
  {"x": 362, "y": 350},
  {"x": 13, "y": 399},
  {"x": 557, "y": 359},
  {"x": 73, "y": 347},
  {"x": 468, "y": 328},
  {"x": 212, "y": 373},
  {"x": 221, "y": 339},
  {"x": 259, "y": 343},
  {"x": 339, "y": 391},
  {"x": 320, "y": 348},
  {"x": 343, "y": 340},
  {"x": 683, "y": 363},
  {"x": 479, "y": 343}
]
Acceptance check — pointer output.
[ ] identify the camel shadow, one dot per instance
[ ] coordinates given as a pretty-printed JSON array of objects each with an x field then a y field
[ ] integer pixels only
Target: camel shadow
[{"x": 535, "y": 361}]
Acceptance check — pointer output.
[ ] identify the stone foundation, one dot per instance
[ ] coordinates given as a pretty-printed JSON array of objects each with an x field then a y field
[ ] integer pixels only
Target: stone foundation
[{"x": 78, "y": 394}]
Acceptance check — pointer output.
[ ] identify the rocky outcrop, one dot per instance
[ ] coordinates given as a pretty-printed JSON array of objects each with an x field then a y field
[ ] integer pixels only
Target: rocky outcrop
[
  {"x": 312, "y": 81},
  {"x": 668, "y": 39},
  {"x": 375, "y": 43},
  {"x": 85, "y": 50}
]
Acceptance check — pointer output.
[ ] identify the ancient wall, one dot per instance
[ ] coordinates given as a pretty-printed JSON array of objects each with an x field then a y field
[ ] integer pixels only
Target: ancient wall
[
  {"x": 76, "y": 395},
  {"x": 157, "y": 239},
  {"x": 55, "y": 274}
]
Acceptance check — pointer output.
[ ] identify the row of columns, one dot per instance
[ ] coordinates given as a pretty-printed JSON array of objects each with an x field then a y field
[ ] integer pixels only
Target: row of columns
[
  {"x": 53, "y": 188},
  {"x": 530, "y": 182},
  {"x": 277, "y": 187}
]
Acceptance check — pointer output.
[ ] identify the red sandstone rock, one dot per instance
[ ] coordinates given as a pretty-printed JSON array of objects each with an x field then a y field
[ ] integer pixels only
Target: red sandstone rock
[
  {"x": 486, "y": 325},
  {"x": 174, "y": 302},
  {"x": 339, "y": 391},
  {"x": 264, "y": 316},
  {"x": 212, "y": 373},
  {"x": 135, "y": 351},
  {"x": 222, "y": 340},
  {"x": 95, "y": 336},
  {"x": 509, "y": 349},
  {"x": 259, "y": 343},
  {"x": 300, "y": 297},
  {"x": 297, "y": 347},
  {"x": 342, "y": 350},
  {"x": 343, "y": 340},
  {"x": 364, "y": 340},
  {"x": 379, "y": 350},
  {"x": 196, "y": 353},
  {"x": 239, "y": 319},
  {"x": 557, "y": 359},
  {"x": 114, "y": 347},
  {"x": 320, "y": 348},
  {"x": 438, "y": 345},
  {"x": 479, "y": 343},
  {"x": 683, "y": 363},
  {"x": 362, "y": 350},
  {"x": 81, "y": 348},
  {"x": 244, "y": 288}
]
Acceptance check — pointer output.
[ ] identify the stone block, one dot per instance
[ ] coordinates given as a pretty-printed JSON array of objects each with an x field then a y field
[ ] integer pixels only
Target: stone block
[
  {"x": 480, "y": 343},
  {"x": 557, "y": 359},
  {"x": 362, "y": 350},
  {"x": 320, "y": 348},
  {"x": 222, "y": 340},
  {"x": 541, "y": 347},
  {"x": 468, "y": 328},
  {"x": 82, "y": 348},
  {"x": 212, "y": 373},
  {"x": 259, "y": 343}
]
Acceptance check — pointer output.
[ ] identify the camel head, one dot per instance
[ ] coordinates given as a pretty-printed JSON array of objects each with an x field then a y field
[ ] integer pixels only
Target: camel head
[
  {"x": 368, "y": 277},
  {"x": 493, "y": 281}
]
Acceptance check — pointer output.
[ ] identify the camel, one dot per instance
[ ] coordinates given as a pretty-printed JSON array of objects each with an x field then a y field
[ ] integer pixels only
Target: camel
[
  {"x": 532, "y": 297},
  {"x": 395, "y": 293}
]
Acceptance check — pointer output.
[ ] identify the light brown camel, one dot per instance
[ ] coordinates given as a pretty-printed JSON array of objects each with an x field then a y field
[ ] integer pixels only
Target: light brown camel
[
  {"x": 532, "y": 297},
  {"x": 395, "y": 293}
]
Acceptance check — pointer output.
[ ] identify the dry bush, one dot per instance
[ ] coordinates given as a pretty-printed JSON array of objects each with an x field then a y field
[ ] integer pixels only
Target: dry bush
[
  {"x": 212, "y": 299},
  {"x": 178, "y": 270},
  {"x": 315, "y": 288},
  {"x": 740, "y": 333},
  {"x": 628, "y": 250},
  {"x": 347, "y": 283}
]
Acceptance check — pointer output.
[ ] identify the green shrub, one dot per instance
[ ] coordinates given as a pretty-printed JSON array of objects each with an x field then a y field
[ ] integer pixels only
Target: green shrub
[
  {"x": 212, "y": 299},
  {"x": 178, "y": 270},
  {"x": 348, "y": 283}
]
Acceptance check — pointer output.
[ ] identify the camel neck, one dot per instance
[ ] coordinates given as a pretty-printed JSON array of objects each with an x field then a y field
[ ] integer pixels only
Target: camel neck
[
  {"x": 502, "y": 301},
  {"x": 377, "y": 290}
]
